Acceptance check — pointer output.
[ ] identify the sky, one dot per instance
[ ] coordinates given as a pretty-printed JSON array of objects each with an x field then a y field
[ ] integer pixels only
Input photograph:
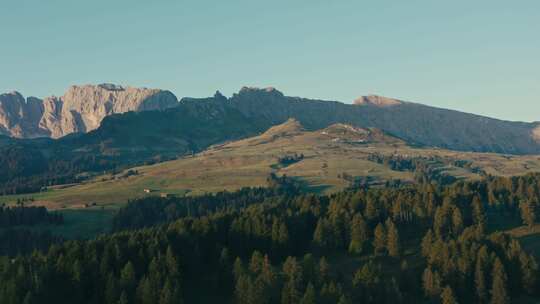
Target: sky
[{"x": 476, "y": 56}]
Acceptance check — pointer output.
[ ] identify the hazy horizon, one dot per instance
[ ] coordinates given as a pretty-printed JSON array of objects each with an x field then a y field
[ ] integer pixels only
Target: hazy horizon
[{"x": 479, "y": 57}]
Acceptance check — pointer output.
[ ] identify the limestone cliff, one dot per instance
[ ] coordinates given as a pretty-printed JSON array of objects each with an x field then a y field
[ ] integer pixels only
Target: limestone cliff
[{"x": 81, "y": 109}]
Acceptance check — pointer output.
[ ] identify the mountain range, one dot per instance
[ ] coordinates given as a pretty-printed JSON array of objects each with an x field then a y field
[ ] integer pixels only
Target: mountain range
[{"x": 83, "y": 108}]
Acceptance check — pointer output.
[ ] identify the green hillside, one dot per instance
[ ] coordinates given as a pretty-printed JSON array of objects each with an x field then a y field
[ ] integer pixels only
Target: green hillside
[{"x": 332, "y": 159}]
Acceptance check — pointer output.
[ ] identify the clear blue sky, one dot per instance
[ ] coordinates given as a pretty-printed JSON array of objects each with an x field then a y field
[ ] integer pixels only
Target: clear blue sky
[{"x": 476, "y": 56}]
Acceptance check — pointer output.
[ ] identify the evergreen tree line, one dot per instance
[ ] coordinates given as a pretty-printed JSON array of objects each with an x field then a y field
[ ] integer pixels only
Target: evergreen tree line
[
  {"x": 26, "y": 169},
  {"x": 425, "y": 169},
  {"x": 382, "y": 245},
  {"x": 153, "y": 210},
  {"x": 28, "y": 216},
  {"x": 20, "y": 241},
  {"x": 288, "y": 160}
]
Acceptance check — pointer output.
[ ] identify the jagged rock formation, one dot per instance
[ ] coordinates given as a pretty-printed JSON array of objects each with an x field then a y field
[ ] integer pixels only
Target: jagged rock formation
[{"x": 81, "y": 109}]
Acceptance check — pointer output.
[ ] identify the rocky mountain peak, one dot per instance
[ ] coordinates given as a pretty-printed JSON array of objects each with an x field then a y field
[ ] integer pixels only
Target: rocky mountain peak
[
  {"x": 378, "y": 101},
  {"x": 12, "y": 94},
  {"x": 251, "y": 91},
  {"x": 219, "y": 96},
  {"x": 80, "y": 109}
]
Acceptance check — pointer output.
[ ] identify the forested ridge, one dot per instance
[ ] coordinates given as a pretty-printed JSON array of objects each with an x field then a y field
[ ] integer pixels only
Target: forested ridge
[
  {"x": 121, "y": 141},
  {"x": 423, "y": 243}
]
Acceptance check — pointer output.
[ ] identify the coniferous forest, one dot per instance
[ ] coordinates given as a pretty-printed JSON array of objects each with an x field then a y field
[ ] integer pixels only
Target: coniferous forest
[{"x": 422, "y": 243}]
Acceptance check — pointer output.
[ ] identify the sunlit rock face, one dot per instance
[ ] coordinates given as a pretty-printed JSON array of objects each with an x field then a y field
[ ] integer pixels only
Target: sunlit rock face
[{"x": 80, "y": 109}]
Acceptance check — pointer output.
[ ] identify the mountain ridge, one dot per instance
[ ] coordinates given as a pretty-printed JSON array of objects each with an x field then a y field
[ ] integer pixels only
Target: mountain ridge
[{"x": 413, "y": 122}]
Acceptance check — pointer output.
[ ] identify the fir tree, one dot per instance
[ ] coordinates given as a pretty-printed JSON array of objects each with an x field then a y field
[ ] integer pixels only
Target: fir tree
[
  {"x": 447, "y": 296},
  {"x": 457, "y": 222},
  {"x": 127, "y": 277},
  {"x": 528, "y": 213},
  {"x": 480, "y": 282},
  {"x": 392, "y": 239},
  {"x": 379, "y": 241},
  {"x": 499, "y": 293},
  {"x": 344, "y": 300},
  {"x": 431, "y": 282},
  {"x": 359, "y": 235},
  {"x": 310, "y": 297},
  {"x": 427, "y": 242}
]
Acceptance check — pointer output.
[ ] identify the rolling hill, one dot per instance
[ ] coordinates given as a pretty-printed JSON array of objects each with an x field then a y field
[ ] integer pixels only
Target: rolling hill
[{"x": 324, "y": 161}]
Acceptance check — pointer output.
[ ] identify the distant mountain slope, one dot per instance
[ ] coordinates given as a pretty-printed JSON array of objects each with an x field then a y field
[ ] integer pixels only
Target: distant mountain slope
[
  {"x": 81, "y": 109},
  {"x": 411, "y": 121}
]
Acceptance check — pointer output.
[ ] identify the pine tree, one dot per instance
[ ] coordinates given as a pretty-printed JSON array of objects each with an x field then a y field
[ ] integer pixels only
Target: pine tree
[
  {"x": 290, "y": 294},
  {"x": 447, "y": 296},
  {"x": 529, "y": 270},
  {"x": 371, "y": 210},
  {"x": 255, "y": 265},
  {"x": 283, "y": 238},
  {"x": 528, "y": 213},
  {"x": 111, "y": 289},
  {"x": 324, "y": 270},
  {"x": 322, "y": 235},
  {"x": 359, "y": 235},
  {"x": 344, "y": 300},
  {"x": 242, "y": 289},
  {"x": 127, "y": 277},
  {"x": 441, "y": 224},
  {"x": 293, "y": 273},
  {"x": 123, "y": 298},
  {"x": 379, "y": 241},
  {"x": 145, "y": 292},
  {"x": 480, "y": 282},
  {"x": 457, "y": 222},
  {"x": 392, "y": 239},
  {"x": 171, "y": 262},
  {"x": 431, "y": 282},
  {"x": 499, "y": 293},
  {"x": 166, "y": 295},
  {"x": 479, "y": 215},
  {"x": 310, "y": 297},
  {"x": 238, "y": 268},
  {"x": 427, "y": 242}
]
